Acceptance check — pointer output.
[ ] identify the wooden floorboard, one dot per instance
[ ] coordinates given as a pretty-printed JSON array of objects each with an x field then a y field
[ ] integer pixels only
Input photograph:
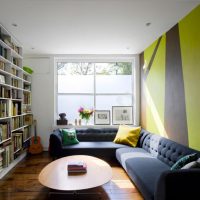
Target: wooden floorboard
[{"x": 21, "y": 183}]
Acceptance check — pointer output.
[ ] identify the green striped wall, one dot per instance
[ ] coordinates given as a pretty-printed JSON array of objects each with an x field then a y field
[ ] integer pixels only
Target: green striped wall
[{"x": 170, "y": 94}]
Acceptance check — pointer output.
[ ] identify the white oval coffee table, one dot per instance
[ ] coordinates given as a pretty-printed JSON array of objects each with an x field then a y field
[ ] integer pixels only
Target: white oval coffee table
[{"x": 55, "y": 175}]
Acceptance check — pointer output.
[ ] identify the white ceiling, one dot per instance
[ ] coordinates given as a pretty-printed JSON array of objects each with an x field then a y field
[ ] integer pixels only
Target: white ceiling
[{"x": 90, "y": 26}]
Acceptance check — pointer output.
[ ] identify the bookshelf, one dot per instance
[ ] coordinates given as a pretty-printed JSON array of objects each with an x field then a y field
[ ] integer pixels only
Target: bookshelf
[{"x": 15, "y": 103}]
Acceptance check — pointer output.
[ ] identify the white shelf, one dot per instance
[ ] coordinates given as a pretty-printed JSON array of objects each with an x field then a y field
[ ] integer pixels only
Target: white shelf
[
  {"x": 5, "y": 72},
  {"x": 15, "y": 54},
  {"x": 4, "y": 45},
  {"x": 5, "y": 140},
  {"x": 27, "y": 82},
  {"x": 16, "y": 67},
  {"x": 14, "y": 74},
  {"x": 16, "y": 77}
]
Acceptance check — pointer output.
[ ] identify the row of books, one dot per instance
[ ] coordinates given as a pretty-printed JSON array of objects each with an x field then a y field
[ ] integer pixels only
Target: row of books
[
  {"x": 11, "y": 149},
  {"x": 17, "y": 122},
  {"x": 27, "y": 133},
  {"x": 16, "y": 108},
  {"x": 5, "y": 132},
  {"x": 6, "y": 155},
  {"x": 15, "y": 83},
  {"x": 1, "y": 159},
  {"x": 17, "y": 141},
  {"x": 4, "y": 92},
  {"x": 27, "y": 98},
  {"x": 3, "y": 52},
  {"x": 74, "y": 167},
  {"x": 4, "y": 108},
  {"x": 10, "y": 108},
  {"x": 2, "y": 65},
  {"x": 28, "y": 119}
]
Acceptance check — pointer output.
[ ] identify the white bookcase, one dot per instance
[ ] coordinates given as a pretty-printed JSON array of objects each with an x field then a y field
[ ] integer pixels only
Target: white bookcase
[{"x": 15, "y": 103}]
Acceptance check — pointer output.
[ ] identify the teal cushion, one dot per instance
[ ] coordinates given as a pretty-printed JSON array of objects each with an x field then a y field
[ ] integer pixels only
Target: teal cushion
[
  {"x": 184, "y": 160},
  {"x": 69, "y": 137}
]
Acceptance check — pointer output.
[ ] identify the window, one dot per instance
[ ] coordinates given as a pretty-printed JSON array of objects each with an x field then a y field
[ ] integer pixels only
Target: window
[{"x": 98, "y": 85}]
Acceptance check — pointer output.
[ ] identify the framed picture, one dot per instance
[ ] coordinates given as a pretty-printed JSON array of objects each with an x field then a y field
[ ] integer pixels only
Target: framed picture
[
  {"x": 102, "y": 117},
  {"x": 122, "y": 115}
]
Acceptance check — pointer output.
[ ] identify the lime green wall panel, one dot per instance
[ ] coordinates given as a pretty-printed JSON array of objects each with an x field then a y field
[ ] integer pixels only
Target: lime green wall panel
[
  {"x": 189, "y": 30},
  {"x": 154, "y": 87}
]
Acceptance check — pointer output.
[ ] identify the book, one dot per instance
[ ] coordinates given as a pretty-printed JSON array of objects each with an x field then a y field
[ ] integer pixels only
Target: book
[
  {"x": 76, "y": 167},
  {"x": 76, "y": 163}
]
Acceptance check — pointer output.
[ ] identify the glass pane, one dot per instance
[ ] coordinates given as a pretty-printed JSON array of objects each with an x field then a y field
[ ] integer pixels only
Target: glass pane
[
  {"x": 75, "y": 68},
  {"x": 105, "y": 102},
  {"x": 118, "y": 68},
  {"x": 75, "y": 77},
  {"x": 114, "y": 84},
  {"x": 70, "y": 104},
  {"x": 75, "y": 83}
]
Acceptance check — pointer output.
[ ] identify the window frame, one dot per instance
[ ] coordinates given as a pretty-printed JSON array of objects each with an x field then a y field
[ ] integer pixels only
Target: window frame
[{"x": 96, "y": 59}]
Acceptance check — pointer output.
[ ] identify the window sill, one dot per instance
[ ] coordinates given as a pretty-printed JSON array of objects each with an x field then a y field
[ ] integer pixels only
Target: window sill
[{"x": 84, "y": 126}]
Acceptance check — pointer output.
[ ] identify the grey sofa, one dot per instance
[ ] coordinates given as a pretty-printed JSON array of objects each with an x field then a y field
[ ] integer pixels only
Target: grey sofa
[
  {"x": 93, "y": 141},
  {"x": 149, "y": 165}
]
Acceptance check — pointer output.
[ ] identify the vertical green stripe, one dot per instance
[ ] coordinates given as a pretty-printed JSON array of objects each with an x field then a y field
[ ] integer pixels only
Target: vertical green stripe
[
  {"x": 155, "y": 87},
  {"x": 189, "y": 29}
]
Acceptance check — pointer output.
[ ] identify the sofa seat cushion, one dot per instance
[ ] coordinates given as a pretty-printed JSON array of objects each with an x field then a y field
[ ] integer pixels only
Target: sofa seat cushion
[
  {"x": 123, "y": 154},
  {"x": 145, "y": 173},
  {"x": 94, "y": 145},
  {"x": 103, "y": 150}
]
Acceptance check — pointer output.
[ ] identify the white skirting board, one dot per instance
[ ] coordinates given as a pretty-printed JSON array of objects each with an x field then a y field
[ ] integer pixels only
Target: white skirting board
[{"x": 15, "y": 162}]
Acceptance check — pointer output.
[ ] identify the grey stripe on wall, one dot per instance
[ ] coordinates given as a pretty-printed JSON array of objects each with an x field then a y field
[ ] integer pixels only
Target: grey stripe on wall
[
  {"x": 175, "y": 108},
  {"x": 143, "y": 100}
]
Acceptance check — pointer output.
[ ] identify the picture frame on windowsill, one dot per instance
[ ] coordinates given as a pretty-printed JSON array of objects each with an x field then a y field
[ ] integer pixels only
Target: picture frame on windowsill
[
  {"x": 122, "y": 115},
  {"x": 102, "y": 117}
]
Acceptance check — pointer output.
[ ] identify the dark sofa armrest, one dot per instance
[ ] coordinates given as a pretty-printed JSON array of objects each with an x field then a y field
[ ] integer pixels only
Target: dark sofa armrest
[
  {"x": 178, "y": 184},
  {"x": 55, "y": 144}
]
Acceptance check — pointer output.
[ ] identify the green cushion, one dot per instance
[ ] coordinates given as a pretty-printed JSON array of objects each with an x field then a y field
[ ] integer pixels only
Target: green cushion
[
  {"x": 184, "y": 160},
  {"x": 69, "y": 137}
]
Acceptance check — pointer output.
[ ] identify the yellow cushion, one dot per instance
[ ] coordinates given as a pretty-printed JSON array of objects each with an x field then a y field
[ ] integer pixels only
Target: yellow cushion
[{"x": 127, "y": 135}]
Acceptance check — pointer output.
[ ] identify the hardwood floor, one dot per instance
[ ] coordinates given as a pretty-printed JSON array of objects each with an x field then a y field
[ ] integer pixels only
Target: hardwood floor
[{"x": 22, "y": 184}]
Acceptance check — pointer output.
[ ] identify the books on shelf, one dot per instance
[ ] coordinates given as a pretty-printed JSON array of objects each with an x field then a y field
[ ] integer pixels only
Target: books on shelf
[
  {"x": 76, "y": 167},
  {"x": 4, "y": 131},
  {"x": 1, "y": 158},
  {"x": 2, "y": 65},
  {"x": 17, "y": 141}
]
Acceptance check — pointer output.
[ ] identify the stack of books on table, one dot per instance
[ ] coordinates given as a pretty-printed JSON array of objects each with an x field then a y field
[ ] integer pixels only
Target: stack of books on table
[{"x": 74, "y": 167}]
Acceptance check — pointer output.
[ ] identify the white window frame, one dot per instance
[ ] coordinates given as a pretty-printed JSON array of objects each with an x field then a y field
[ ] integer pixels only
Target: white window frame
[{"x": 134, "y": 59}]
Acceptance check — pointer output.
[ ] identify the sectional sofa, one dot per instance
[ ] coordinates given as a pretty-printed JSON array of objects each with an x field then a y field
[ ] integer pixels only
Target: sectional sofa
[
  {"x": 93, "y": 141},
  {"x": 148, "y": 165}
]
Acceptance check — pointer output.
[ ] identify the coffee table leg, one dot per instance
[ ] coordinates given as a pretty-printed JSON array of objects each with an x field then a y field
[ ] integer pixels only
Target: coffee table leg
[{"x": 74, "y": 195}]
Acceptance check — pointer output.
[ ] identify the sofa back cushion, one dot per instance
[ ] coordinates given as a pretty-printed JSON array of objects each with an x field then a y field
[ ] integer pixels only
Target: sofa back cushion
[
  {"x": 165, "y": 149},
  {"x": 96, "y": 134},
  {"x": 142, "y": 136}
]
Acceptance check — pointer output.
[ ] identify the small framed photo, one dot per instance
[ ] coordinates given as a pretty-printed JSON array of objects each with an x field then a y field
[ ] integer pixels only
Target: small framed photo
[
  {"x": 102, "y": 117},
  {"x": 122, "y": 115}
]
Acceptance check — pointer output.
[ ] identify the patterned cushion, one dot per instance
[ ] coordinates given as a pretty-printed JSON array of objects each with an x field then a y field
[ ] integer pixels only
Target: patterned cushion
[
  {"x": 69, "y": 137},
  {"x": 184, "y": 160}
]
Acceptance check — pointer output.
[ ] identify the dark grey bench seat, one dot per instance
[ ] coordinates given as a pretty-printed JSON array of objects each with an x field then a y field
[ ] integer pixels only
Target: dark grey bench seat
[{"x": 92, "y": 141}]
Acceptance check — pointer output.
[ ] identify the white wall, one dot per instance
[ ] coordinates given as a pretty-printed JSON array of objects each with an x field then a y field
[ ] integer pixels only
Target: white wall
[
  {"x": 43, "y": 90},
  {"x": 42, "y": 95}
]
